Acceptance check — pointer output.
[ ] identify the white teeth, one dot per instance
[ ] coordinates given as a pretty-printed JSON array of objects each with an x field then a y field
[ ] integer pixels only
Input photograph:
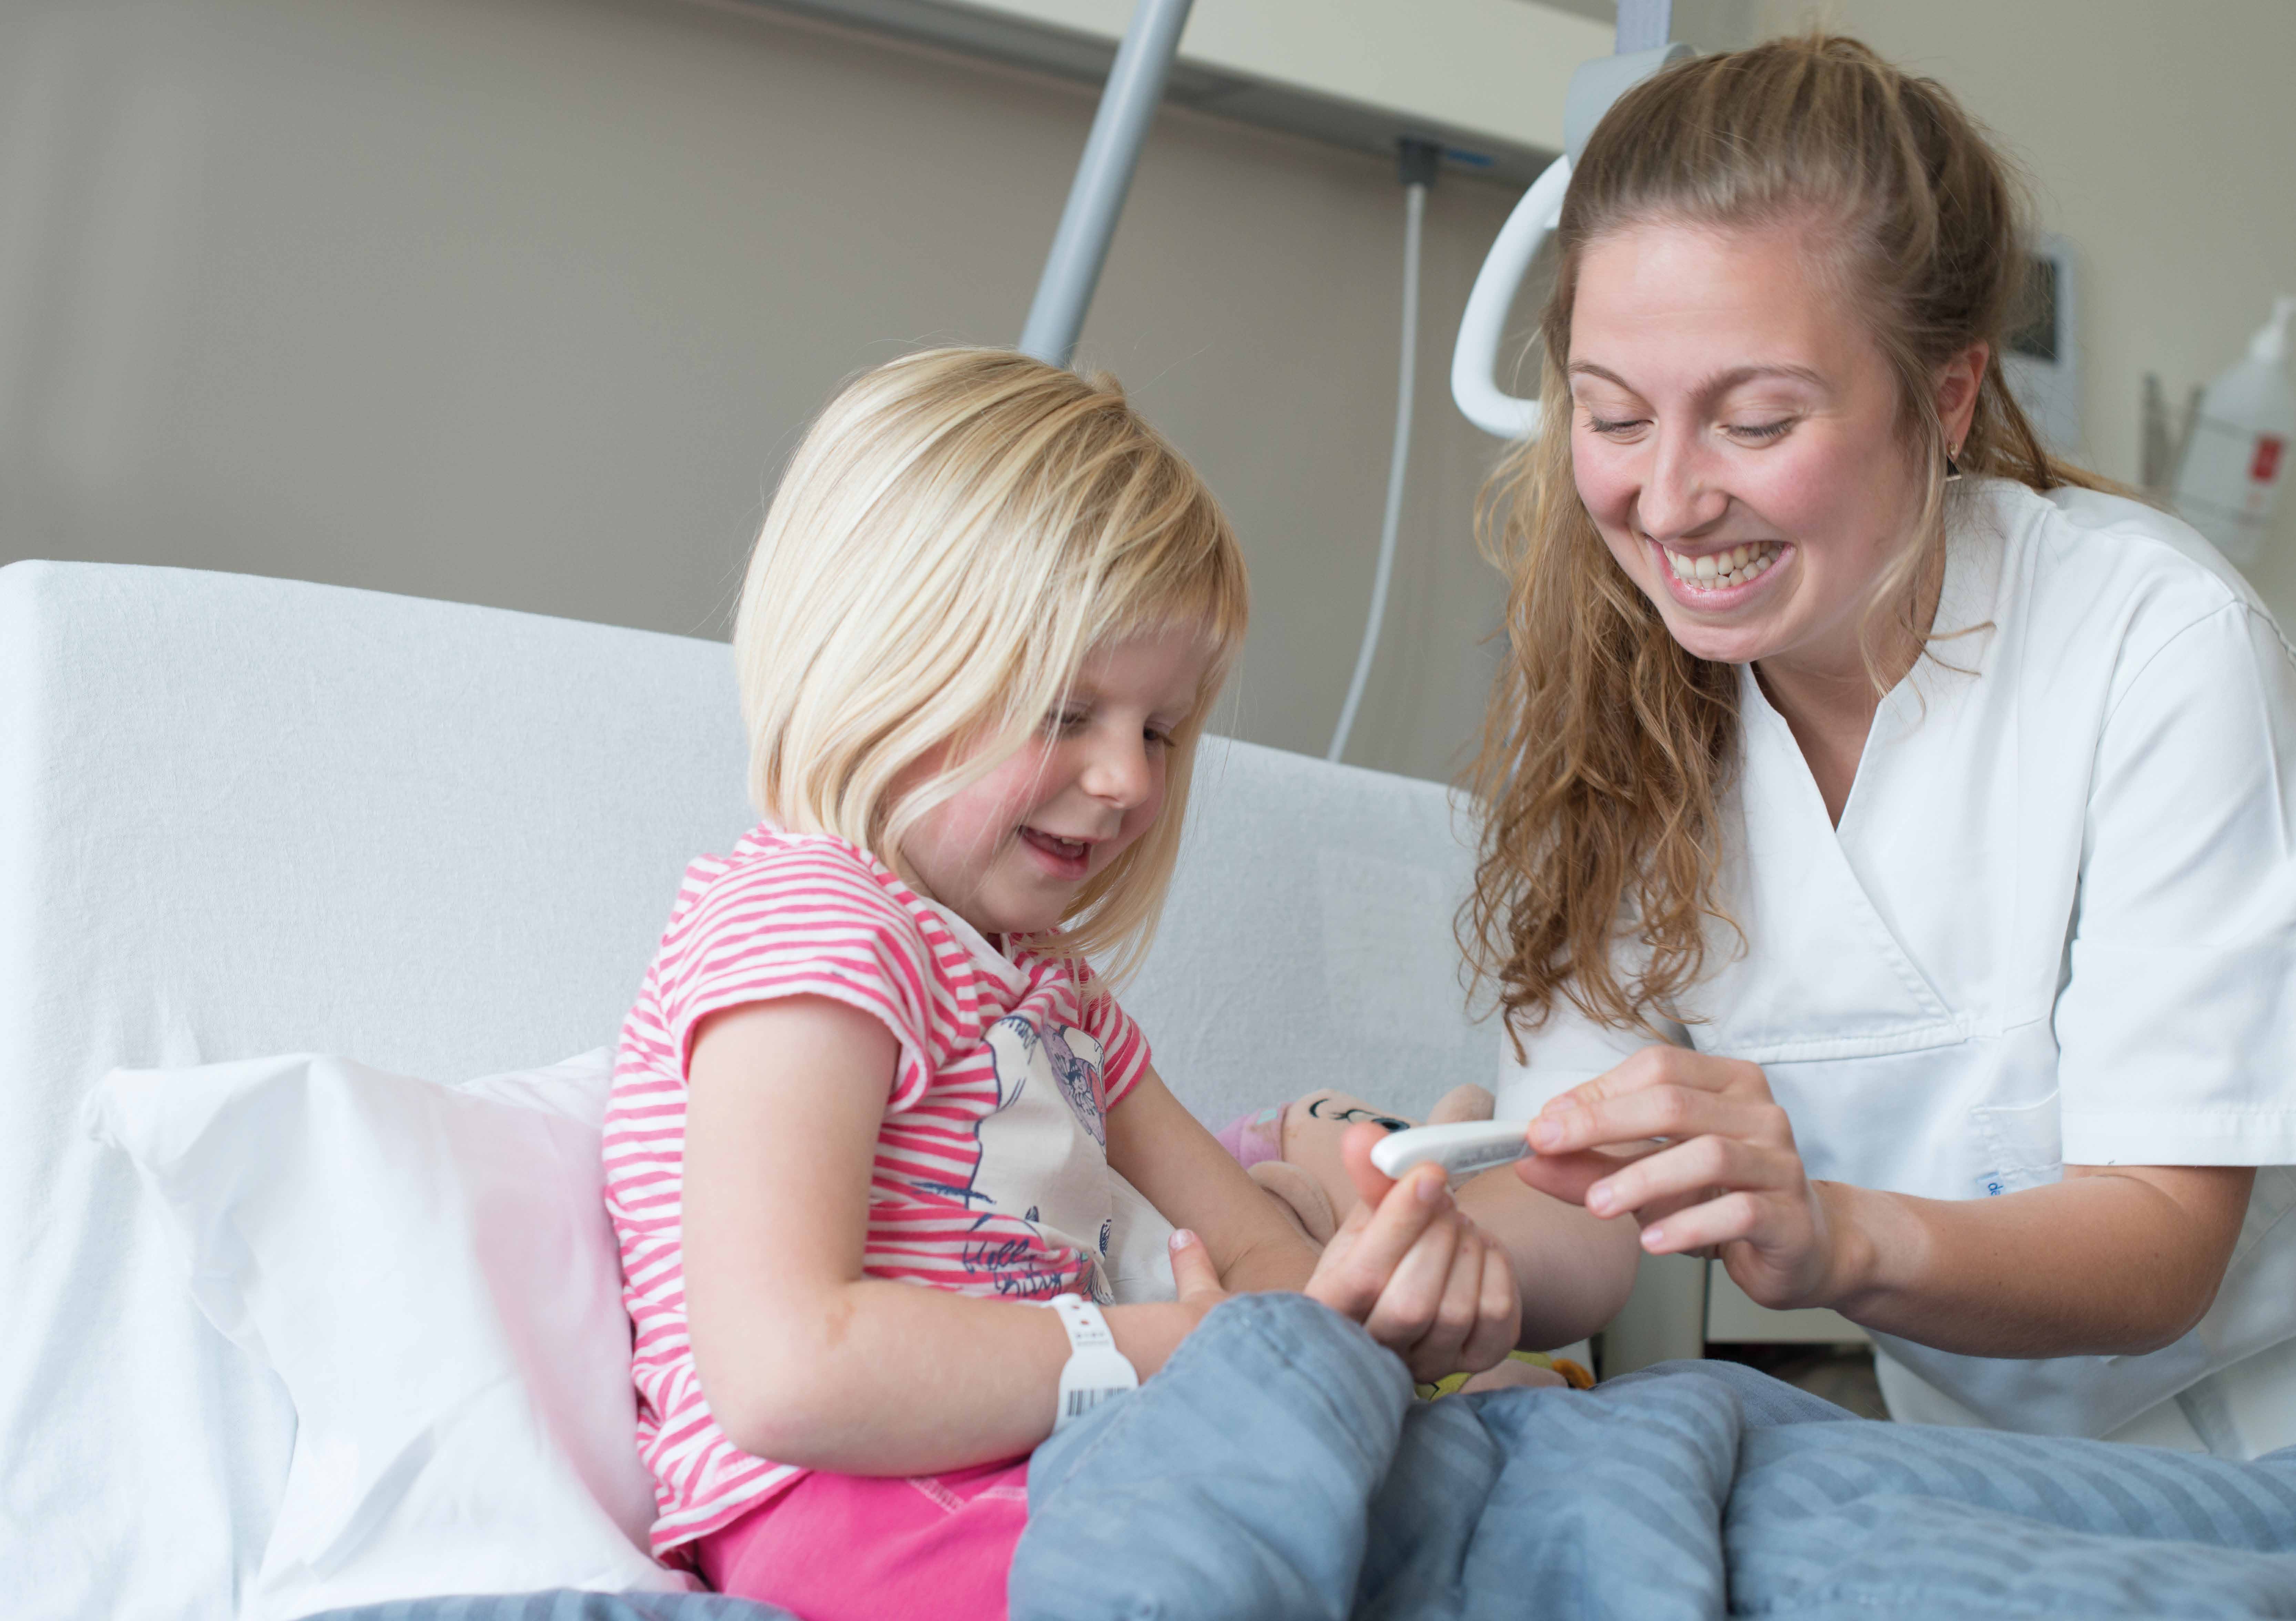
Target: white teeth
[{"x": 1720, "y": 570}]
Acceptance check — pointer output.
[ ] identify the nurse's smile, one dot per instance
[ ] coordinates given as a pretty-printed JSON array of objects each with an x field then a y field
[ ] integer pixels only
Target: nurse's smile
[
  {"x": 1729, "y": 421},
  {"x": 1714, "y": 581}
]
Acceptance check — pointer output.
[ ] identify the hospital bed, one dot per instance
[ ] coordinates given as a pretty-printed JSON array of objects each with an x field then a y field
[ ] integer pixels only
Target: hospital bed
[{"x": 242, "y": 817}]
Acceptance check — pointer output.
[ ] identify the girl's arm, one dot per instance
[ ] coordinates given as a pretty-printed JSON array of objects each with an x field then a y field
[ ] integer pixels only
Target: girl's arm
[
  {"x": 1160, "y": 1148},
  {"x": 802, "y": 1358},
  {"x": 2112, "y": 1261},
  {"x": 1451, "y": 1305},
  {"x": 805, "y": 1360}
]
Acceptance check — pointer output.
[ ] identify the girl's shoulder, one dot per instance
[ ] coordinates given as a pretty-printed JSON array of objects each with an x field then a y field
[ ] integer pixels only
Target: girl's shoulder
[{"x": 774, "y": 878}]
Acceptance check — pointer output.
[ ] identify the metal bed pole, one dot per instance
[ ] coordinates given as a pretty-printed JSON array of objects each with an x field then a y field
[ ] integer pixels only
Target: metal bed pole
[{"x": 1127, "y": 106}]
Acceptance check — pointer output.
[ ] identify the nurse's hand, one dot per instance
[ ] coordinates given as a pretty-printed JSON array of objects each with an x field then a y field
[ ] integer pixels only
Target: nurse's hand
[{"x": 1696, "y": 1149}]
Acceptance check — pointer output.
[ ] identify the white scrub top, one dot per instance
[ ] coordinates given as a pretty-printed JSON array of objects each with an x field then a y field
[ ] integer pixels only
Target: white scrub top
[{"x": 2057, "y": 923}]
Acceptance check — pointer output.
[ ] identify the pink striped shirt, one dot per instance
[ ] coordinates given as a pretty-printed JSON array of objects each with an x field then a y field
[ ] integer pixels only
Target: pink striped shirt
[{"x": 990, "y": 1175}]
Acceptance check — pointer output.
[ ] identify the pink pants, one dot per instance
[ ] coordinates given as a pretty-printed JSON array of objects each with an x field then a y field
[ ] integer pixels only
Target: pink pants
[{"x": 858, "y": 1548}]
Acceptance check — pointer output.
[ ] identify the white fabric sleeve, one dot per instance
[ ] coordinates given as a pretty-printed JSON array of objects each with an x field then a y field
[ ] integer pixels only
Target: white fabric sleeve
[
  {"x": 1567, "y": 1048},
  {"x": 2177, "y": 1025}
]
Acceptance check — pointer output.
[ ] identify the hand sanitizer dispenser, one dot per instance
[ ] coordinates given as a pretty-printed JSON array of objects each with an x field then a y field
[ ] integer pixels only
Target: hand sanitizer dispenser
[{"x": 2239, "y": 449}]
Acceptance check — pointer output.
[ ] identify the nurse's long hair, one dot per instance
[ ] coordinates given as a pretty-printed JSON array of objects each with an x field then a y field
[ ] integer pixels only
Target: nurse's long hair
[{"x": 1607, "y": 747}]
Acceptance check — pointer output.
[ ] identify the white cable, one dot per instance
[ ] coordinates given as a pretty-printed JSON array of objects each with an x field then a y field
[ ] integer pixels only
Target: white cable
[{"x": 1414, "y": 213}]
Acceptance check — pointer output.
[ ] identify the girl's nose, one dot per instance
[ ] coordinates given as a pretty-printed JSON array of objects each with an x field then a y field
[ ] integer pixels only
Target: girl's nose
[{"x": 1118, "y": 773}]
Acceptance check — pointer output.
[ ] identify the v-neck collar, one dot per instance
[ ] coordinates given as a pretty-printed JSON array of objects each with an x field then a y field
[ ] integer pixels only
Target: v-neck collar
[{"x": 1965, "y": 602}]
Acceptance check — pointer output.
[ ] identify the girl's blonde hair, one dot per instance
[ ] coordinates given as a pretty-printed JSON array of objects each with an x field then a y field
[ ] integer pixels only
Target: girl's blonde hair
[
  {"x": 957, "y": 531},
  {"x": 1607, "y": 747}
]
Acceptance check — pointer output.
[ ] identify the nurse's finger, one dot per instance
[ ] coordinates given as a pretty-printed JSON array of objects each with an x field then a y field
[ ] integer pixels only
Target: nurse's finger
[
  {"x": 1692, "y": 1170},
  {"x": 1735, "y": 1217},
  {"x": 1665, "y": 1111},
  {"x": 1664, "y": 1066},
  {"x": 1568, "y": 1176},
  {"x": 1772, "y": 1245}
]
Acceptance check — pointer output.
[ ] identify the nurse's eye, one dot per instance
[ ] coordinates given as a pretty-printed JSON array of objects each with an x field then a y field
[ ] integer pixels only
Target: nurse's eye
[
  {"x": 1760, "y": 433},
  {"x": 1614, "y": 428}
]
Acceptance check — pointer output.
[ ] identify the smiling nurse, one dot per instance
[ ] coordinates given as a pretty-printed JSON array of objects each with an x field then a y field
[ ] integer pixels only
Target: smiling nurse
[{"x": 1890, "y": 878}]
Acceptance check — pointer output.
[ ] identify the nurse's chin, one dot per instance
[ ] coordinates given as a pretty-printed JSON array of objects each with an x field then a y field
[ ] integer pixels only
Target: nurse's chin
[{"x": 1743, "y": 642}]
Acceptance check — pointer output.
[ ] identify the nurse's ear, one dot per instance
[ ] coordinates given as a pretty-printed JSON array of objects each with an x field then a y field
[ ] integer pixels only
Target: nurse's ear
[{"x": 1957, "y": 383}]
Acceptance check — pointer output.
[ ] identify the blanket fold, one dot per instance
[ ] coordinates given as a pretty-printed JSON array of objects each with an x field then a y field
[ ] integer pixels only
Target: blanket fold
[{"x": 1278, "y": 1468}]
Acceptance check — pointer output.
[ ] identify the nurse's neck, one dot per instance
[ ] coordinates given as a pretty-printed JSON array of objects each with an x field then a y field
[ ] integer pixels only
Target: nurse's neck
[{"x": 1829, "y": 693}]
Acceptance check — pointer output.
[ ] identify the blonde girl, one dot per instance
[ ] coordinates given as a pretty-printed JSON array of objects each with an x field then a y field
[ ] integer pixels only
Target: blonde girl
[{"x": 873, "y": 1111}]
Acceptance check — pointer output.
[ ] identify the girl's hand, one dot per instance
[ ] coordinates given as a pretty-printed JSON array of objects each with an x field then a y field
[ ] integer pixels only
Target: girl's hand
[
  {"x": 1419, "y": 1276},
  {"x": 1194, "y": 1277},
  {"x": 1696, "y": 1149}
]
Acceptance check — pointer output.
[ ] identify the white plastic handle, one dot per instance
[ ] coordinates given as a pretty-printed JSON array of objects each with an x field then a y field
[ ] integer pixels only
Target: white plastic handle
[{"x": 1482, "y": 330}]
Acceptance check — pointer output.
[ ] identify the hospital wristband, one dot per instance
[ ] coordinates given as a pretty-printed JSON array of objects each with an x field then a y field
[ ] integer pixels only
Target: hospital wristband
[{"x": 1095, "y": 1369}]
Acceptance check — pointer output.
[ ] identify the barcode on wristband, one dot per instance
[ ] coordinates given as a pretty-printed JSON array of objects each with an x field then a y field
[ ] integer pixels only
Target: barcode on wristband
[{"x": 1081, "y": 1402}]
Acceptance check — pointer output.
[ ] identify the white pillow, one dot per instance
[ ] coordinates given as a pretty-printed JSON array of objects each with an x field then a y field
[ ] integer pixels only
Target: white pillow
[{"x": 430, "y": 1272}]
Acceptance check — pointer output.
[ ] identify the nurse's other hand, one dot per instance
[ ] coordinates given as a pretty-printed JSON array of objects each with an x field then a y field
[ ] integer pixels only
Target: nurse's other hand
[{"x": 1696, "y": 1149}]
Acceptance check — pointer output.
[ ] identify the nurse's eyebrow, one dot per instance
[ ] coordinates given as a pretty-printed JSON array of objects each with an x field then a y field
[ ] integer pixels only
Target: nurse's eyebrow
[{"x": 1721, "y": 382}]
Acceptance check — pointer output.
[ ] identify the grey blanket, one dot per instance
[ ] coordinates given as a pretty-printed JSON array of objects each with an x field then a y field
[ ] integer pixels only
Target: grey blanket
[{"x": 1280, "y": 1468}]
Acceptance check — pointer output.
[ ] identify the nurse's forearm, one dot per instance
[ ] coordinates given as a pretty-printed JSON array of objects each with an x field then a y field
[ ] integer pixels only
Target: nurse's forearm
[
  {"x": 1575, "y": 1270},
  {"x": 2105, "y": 1263}
]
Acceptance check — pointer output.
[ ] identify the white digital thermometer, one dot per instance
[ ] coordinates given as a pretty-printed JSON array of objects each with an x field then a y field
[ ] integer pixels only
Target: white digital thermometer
[{"x": 1462, "y": 1150}]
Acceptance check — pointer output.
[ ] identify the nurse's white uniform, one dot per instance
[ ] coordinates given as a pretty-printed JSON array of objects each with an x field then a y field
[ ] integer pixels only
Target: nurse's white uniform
[{"x": 2057, "y": 923}]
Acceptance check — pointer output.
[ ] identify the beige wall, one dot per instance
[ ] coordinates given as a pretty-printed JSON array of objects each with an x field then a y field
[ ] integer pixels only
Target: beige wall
[
  {"x": 2158, "y": 134},
  {"x": 523, "y": 301}
]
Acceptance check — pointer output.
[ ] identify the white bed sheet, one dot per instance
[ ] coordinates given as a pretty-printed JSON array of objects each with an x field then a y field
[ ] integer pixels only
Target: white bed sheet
[{"x": 242, "y": 816}]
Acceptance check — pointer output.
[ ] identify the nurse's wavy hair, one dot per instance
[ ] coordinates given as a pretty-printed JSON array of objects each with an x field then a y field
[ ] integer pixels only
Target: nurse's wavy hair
[
  {"x": 1607, "y": 747},
  {"x": 958, "y": 530}
]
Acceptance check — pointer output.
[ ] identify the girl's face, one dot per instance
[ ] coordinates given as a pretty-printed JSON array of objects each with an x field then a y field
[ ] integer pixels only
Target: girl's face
[
  {"x": 1735, "y": 436},
  {"x": 1010, "y": 854}
]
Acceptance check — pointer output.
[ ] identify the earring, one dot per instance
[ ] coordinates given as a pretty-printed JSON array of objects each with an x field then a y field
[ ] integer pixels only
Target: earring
[{"x": 1952, "y": 468}]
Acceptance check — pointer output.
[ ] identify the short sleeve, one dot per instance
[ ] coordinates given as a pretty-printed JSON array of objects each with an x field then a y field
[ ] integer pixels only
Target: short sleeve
[
  {"x": 1566, "y": 1049},
  {"x": 803, "y": 920},
  {"x": 1123, "y": 1046},
  {"x": 2176, "y": 1023}
]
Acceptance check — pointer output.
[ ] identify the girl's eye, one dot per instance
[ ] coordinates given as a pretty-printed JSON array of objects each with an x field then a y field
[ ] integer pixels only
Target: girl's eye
[
  {"x": 1066, "y": 723},
  {"x": 1761, "y": 431},
  {"x": 1157, "y": 738}
]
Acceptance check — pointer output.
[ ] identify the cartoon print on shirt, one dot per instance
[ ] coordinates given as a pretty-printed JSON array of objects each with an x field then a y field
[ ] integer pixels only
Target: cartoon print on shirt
[
  {"x": 1076, "y": 1059},
  {"x": 1045, "y": 1133}
]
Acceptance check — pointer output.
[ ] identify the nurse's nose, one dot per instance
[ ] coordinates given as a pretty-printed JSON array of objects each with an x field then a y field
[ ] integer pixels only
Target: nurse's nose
[{"x": 1678, "y": 498}]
